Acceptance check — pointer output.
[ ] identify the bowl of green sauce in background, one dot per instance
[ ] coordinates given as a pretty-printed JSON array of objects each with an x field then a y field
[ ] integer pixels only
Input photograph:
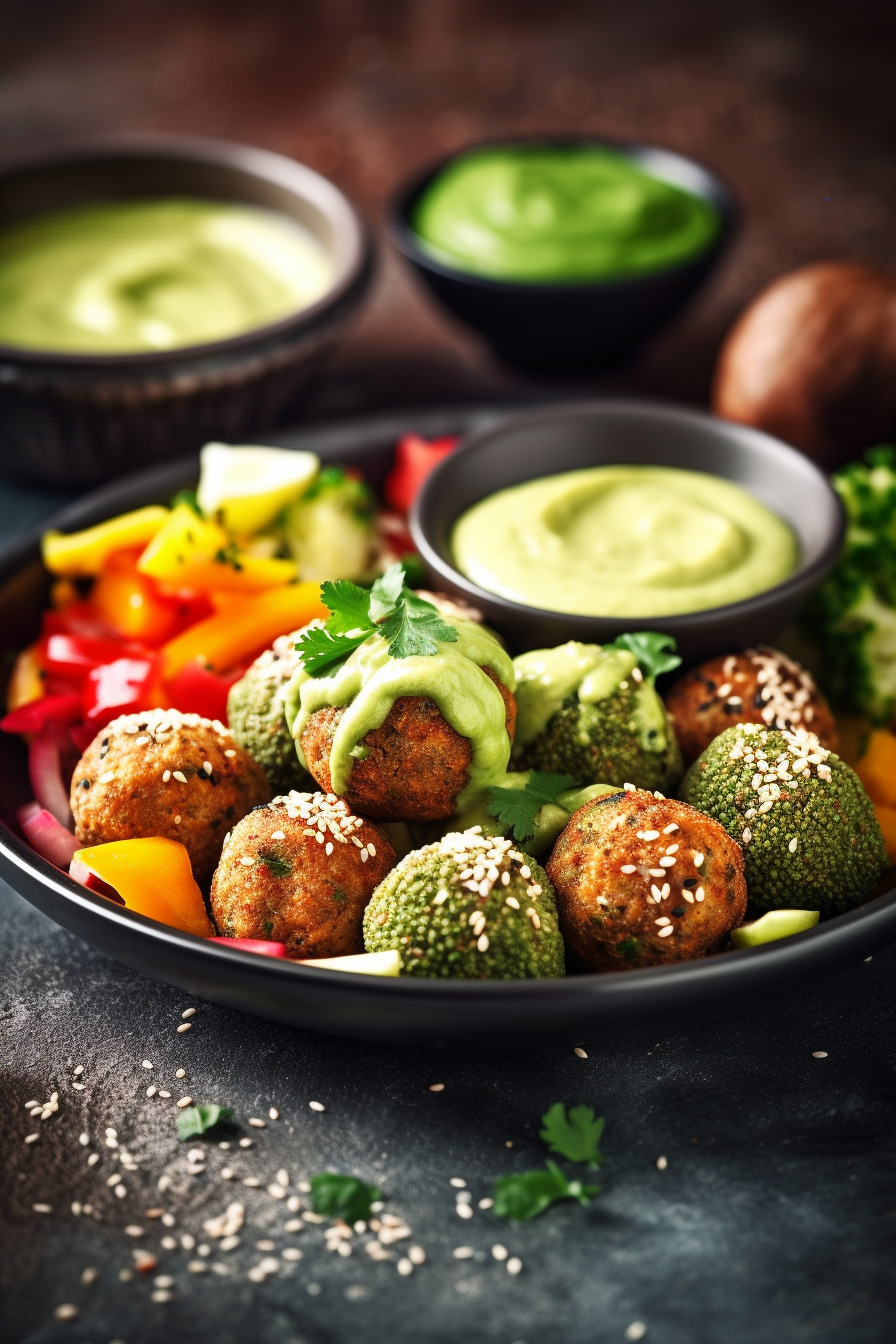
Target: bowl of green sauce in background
[
  {"x": 158, "y": 293},
  {"x": 564, "y": 254}
]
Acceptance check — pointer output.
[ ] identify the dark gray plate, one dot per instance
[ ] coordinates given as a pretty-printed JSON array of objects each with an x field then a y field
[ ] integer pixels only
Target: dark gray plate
[{"x": 405, "y": 1011}]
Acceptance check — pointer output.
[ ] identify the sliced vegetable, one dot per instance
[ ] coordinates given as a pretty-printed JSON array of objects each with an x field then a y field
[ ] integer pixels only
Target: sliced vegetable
[
  {"x": 258, "y": 945},
  {"x": 246, "y": 486},
  {"x": 773, "y": 925},
  {"x": 51, "y": 710},
  {"x": 877, "y": 767},
  {"x": 197, "y": 555},
  {"x": 26, "y": 680},
  {"x": 85, "y": 878},
  {"x": 49, "y": 770},
  {"x": 85, "y": 553},
  {"x": 48, "y": 837},
  {"x": 71, "y": 657},
  {"x": 243, "y": 629},
  {"x": 195, "y": 690},
  {"x": 415, "y": 458},
  {"x": 130, "y": 603},
  {"x": 362, "y": 963},
  {"x": 121, "y": 687},
  {"x": 886, "y": 820},
  {"x": 154, "y": 878}
]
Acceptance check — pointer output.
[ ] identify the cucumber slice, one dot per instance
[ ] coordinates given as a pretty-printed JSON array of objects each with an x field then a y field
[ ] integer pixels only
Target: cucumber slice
[
  {"x": 773, "y": 925},
  {"x": 362, "y": 963}
]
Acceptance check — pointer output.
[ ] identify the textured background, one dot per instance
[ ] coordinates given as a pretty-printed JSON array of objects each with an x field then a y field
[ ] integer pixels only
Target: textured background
[{"x": 774, "y": 1219}]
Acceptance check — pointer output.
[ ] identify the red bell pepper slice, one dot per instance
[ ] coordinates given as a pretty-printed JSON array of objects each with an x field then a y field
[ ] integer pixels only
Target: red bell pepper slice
[
  {"x": 195, "y": 690},
  {"x": 415, "y": 458},
  {"x": 121, "y": 687},
  {"x": 57, "y": 710},
  {"x": 71, "y": 657}
]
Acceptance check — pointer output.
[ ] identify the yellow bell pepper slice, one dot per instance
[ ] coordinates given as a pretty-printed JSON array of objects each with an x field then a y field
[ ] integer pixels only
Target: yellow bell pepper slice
[
  {"x": 193, "y": 553},
  {"x": 26, "y": 680},
  {"x": 77, "y": 554},
  {"x": 243, "y": 628},
  {"x": 153, "y": 877}
]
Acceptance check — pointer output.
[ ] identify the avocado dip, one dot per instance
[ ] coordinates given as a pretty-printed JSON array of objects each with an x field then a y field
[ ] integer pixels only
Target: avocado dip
[
  {"x": 555, "y": 214},
  {"x": 122, "y": 277},
  {"x": 629, "y": 541}
]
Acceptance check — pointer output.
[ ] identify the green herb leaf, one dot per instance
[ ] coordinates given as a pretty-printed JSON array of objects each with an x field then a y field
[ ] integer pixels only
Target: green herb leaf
[
  {"x": 196, "y": 1120},
  {"x": 414, "y": 626},
  {"x": 386, "y": 592},
  {"x": 348, "y": 605},
  {"x": 519, "y": 807},
  {"x": 276, "y": 866},
  {"x": 323, "y": 654},
  {"x": 347, "y": 1197},
  {"x": 190, "y": 498},
  {"x": 655, "y": 652},
  {"x": 520, "y": 1198},
  {"x": 575, "y": 1134}
]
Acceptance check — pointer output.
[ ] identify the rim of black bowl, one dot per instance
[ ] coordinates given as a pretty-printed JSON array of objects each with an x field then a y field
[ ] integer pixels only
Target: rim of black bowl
[
  {"x": 352, "y": 257},
  {"x": 803, "y": 578},
  {"x": 706, "y": 183}
]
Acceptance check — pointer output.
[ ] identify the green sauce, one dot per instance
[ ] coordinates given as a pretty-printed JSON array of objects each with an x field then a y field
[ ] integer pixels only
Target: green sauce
[
  {"x": 624, "y": 541},
  {"x": 546, "y": 678},
  {"x": 370, "y": 681},
  {"x": 129, "y": 276},
  {"x": 544, "y": 214}
]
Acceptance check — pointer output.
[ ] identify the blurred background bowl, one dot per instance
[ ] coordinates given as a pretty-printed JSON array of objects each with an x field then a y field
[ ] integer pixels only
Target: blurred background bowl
[
  {"x": 574, "y": 326},
  {"x": 546, "y": 441},
  {"x": 74, "y": 420}
]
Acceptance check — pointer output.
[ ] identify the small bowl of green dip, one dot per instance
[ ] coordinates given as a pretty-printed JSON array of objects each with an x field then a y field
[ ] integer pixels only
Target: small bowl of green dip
[
  {"x": 155, "y": 294},
  {"x": 564, "y": 254},
  {"x": 587, "y": 520}
]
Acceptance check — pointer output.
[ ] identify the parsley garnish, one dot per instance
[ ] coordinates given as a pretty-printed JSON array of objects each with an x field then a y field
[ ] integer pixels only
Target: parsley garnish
[
  {"x": 410, "y": 624},
  {"x": 276, "y": 866},
  {"x": 520, "y": 1198},
  {"x": 519, "y": 807},
  {"x": 345, "y": 1197},
  {"x": 655, "y": 652},
  {"x": 574, "y": 1134},
  {"x": 189, "y": 498},
  {"x": 195, "y": 1120}
]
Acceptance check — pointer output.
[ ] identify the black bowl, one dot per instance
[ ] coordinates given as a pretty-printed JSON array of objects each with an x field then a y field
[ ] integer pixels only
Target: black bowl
[
  {"x": 564, "y": 438},
  {"x": 576, "y": 326},
  {"x": 403, "y": 1011},
  {"x": 75, "y": 420}
]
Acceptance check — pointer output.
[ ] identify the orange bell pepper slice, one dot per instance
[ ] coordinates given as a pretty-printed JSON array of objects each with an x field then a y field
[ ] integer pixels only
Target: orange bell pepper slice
[
  {"x": 243, "y": 628},
  {"x": 886, "y": 820},
  {"x": 877, "y": 767},
  {"x": 129, "y": 603},
  {"x": 194, "y": 554},
  {"x": 153, "y": 877}
]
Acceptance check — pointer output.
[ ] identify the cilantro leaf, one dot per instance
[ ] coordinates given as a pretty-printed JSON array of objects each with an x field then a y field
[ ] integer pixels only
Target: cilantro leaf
[
  {"x": 575, "y": 1134},
  {"x": 348, "y": 605},
  {"x": 323, "y": 654},
  {"x": 520, "y": 1198},
  {"x": 346, "y": 1197},
  {"x": 655, "y": 652},
  {"x": 196, "y": 1120},
  {"x": 189, "y": 498},
  {"x": 519, "y": 807},
  {"x": 386, "y": 591},
  {"x": 414, "y": 626}
]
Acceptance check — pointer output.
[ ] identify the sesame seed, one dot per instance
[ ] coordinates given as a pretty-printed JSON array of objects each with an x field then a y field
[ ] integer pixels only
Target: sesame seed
[
  {"x": 666, "y": 933},
  {"x": 668, "y": 830},
  {"x": 179, "y": 776},
  {"x": 42, "y": 1208},
  {"x": 93, "y": 1159},
  {"x": 164, "y": 1093},
  {"x": 245, "y": 1143},
  {"x": 106, "y": 777},
  {"x": 637, "y": 1330},
  {"x": 698, "y": 860},
  {"x": 819, "y": 1054},
  {"x": 31, "y": 1138},
  {"x": 188, "y": 1012},
  {"x": 464, "y": 1211},
  {"x": 185, "y": 1101},
  {"x": 699, "y": 894},
  {"x": 67, "y": 1311},
  {"x": 133, "y": 1230},
  {"x": 180, "y": 1073},
  {"x": 184, "y": 1026},
  {"x": 514, "y": 1265},
  {"x": 317, "y": 1106},
  {"x": 463, "y": 1252},
  {"x": 404, "y": 1267},
  {"x": 437, "y": 1087},
  {"x": 89, "y": 1276},
  {"x": 668, "y": 861},
  {"x": 747, "y": 835},
  {"x": 661, "y": 1163},
  {"x": 792, "y": 845},
  {"x": 579, "y": 1052},
  {"x": 256, "y": 1123},
  {"x": 628, "y": 868}
]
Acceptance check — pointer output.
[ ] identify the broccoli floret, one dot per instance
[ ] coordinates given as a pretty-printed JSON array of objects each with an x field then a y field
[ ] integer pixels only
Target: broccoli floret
[
  {"x": 806, "y": 825},
  {"x": 471, "y": 907},
  {"x": 330, "y": 529},
  {"x": 852, "y": 617},
  {"x": 593, "y": 713},
  {"x": 256, "y": 714}
]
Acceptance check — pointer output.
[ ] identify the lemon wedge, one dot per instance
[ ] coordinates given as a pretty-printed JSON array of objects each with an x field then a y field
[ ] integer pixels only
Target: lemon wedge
[
  {"x": 244, "y": 486},
  {"x": 362, "y": 963}
]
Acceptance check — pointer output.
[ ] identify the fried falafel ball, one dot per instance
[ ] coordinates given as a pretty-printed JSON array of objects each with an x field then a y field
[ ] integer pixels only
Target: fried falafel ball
[
  {"x": 300, "y": 870},
  {"x": 645, "y": 881},
  {"x": 414, "y": 765},
  {"x": 161, "y": 772},
  {"x": 760, "y": 685},
  {"x": 257, "y": 715},
  {"x": 469, "y": 907}
]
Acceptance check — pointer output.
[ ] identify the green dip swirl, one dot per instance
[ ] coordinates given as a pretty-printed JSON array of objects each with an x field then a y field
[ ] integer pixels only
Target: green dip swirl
[
  {"x": 370, "y": 681},
  {"x": 631, "y": 541},
  {"x": 129, "y": 276},
  {"x": 544, "y": 214}
]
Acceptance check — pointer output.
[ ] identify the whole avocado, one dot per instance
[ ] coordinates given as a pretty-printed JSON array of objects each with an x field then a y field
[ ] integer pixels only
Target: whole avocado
[
  {"x": 805, "y": 823},
  {"x": 470, "y": 907},
  {"x": 589, "y": 711},
  {"x": 257, "y": 717}
]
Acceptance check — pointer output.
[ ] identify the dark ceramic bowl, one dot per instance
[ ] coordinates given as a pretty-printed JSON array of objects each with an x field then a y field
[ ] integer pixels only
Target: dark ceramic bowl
[
  {"x": 476, "y": 1014},
  {"x": 75, "y": 420},
  {"x": 576, "y": 326},
  {"x": 565, "y": 438}
]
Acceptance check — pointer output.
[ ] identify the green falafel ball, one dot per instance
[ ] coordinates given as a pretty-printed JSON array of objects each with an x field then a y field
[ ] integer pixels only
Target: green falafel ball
[
  {"x": 805, "y": 823},
  {"x": 590, "y": 711},
  {"x": 257, "y": 716},
  {"x": 470, "y": 907}
]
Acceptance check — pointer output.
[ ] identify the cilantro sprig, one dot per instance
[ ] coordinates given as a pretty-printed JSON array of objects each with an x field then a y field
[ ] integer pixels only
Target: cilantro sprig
[
  {"x": 196, "y": 1120},
  {"x": 655, "y": 653},
  {"x": 519, "y": 807},
  {"x": 390, "y": 609},
  {"x": 574, "y": 1134},
  {"x": 346, "y": 1197}
]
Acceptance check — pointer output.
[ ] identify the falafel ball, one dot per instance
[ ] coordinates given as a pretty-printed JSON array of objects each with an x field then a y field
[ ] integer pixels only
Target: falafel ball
[
  {"x": 300, "y": 870},
  {"x": 161, "y": 772},
  {"x": 257, "y": 715},
  {"x": 414, "y": 765},
  {"x": 645, "y": 881},
  {"x": 760, "y": 685},
  {"x": 470, "y": 907}
]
